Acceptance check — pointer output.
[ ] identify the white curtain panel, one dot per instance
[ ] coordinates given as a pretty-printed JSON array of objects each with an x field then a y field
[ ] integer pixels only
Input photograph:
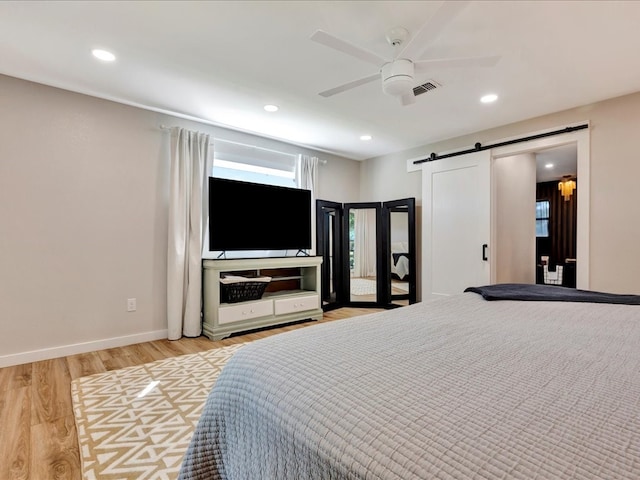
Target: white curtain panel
[
  {"x": 307, "y": 178},
  {"x": 364, "y": 249},
  {"x": 190, "y": 164},
  {"x": 308, "y": 173}
]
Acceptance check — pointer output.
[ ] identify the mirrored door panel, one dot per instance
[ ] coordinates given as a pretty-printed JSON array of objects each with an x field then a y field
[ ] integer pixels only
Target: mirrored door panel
[
  {"x": 399, "y": 218},
  {"x": 362, "y": 255},
  {"x": 328, "y": 244},
  {"x": 399, "y": 260},
  {"x": 363, "y": 232},
  {"x": 369, "y": 253}
]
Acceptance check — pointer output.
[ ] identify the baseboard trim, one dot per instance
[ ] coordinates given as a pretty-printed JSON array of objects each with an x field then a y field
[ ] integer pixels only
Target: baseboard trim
[{"x": 76, "y": 348}]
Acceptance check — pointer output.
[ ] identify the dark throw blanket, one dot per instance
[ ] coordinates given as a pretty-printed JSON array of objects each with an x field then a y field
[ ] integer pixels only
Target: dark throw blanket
[
  {"x": 396, "y": 257},
  {"x": 550, "y": 293}
]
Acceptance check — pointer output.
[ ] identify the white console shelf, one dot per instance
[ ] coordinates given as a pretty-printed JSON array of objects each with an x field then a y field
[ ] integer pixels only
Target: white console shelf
[{"x": 293, "y": 294}]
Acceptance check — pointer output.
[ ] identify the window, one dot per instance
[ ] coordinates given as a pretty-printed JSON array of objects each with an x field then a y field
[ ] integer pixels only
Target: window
[
  {"x": 542, "y": 218},
  {"x": 236, "y": 161},
  {"x": 248, "y": 163}
]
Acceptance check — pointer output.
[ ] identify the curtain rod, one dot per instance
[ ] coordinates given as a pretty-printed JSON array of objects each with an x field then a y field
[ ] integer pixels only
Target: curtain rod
[
  {"x": 217, "y": 139},
  {"x": 168, "y": 129},
  {"x": 478, "y": 147}
]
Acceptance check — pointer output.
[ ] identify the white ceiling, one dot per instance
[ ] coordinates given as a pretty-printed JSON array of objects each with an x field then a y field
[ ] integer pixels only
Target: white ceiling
[
  {"x": 563, "y": 161},
  {"x": 220, "y": 62}
]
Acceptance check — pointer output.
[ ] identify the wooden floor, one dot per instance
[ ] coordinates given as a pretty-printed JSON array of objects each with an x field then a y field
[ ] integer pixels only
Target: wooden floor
[{"x": 37, "y": 429}]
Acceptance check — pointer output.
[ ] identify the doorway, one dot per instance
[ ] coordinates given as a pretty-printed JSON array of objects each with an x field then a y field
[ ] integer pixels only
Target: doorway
[
  {"x": 580, "y": 141},
  {"x": 556, "y": 215}
]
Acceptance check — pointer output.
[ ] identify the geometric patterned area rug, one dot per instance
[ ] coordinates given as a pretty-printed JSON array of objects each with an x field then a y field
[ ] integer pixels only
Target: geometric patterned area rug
[
  {"x": 137, "y": 422},
  {"x": 362, "y": 286}
]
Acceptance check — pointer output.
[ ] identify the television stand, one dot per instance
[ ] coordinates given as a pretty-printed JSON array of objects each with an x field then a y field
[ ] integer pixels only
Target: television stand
[
  {"x": 303, "y": 252},
  {"x": 292, "y": 295}
]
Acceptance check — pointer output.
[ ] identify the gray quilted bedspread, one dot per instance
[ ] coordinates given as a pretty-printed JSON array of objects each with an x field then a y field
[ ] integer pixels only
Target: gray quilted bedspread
[{"x": 457, "y": 388}]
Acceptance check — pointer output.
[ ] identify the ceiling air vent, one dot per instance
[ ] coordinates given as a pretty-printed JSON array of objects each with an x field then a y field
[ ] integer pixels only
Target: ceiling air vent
[{"x": 425, "y": 87}]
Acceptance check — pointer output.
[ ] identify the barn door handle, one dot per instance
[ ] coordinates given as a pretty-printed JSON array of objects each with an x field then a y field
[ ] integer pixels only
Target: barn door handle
[{"x": 484, "y": 252}]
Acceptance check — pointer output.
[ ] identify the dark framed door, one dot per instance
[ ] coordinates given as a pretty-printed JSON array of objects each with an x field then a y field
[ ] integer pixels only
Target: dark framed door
[
  {"x": 369, "y": 253},
  {"x": 329, "y": 245},
  {"x": 363, "y": 266},
  {"x": 399, "y": 243}
]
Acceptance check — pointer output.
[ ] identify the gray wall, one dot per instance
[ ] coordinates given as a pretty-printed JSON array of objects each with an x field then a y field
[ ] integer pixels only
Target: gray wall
[
  {"x": 514, "y": 214},
  {"x": 83, "y": 206},
  {"x": 615, "y": 169},
  {"x": 83, "y": 214}
]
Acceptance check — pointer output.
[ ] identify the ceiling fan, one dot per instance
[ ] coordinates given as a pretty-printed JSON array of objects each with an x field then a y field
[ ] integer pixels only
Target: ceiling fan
[{"x": 398, "y": 75}]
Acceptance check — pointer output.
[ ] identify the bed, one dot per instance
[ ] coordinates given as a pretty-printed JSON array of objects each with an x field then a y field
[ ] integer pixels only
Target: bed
[{"x": 454, "y": 388}]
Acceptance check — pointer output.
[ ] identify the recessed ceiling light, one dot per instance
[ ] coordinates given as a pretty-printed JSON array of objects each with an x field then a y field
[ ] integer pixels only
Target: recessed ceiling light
[
  {"x": 103, "y": 55},
  {"x": 491, "y": 97},
  {"x": 366, "y": 137},
  {"x": 549, "y": 165},
  {"x": 271, "y": 108}
]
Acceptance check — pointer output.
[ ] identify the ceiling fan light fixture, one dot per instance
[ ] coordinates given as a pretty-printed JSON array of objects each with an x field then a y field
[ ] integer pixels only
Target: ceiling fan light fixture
[
  {"x": 398, "y": 74},
  {"x": 396, "y": 36},
  {"x": 397, "y": 77}
]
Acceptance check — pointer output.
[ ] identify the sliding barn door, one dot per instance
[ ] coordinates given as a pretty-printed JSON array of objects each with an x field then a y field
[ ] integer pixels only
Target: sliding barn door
[{"x": 456, "y": 220}]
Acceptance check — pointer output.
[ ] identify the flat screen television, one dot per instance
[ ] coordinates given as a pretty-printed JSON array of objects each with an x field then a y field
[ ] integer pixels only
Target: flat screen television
[{"x": 253, "y": 216}]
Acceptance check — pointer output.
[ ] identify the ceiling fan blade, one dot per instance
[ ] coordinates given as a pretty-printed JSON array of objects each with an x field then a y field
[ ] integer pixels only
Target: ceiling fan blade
[
  {"x": 328, "y": 40},
  {"x": 350, "y": 85},
  {"x": 408, "y": 99},
  {"x": 424, "y": 65},
  {"x": 432, "y": 28}
]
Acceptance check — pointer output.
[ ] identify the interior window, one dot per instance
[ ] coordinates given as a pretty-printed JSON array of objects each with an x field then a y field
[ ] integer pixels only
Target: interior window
[
  {"x": 249, "y": 163},
  {"x": 253, "y": 173},
  {"x": 542, "y": 218}
]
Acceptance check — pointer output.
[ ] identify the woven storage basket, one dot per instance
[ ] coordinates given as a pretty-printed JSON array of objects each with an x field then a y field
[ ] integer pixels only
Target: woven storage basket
[{"x": 242, "y": 289}]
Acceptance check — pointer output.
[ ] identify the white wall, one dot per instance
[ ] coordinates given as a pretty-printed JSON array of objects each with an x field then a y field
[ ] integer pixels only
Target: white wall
[
  {"x": 386, "y": 178},
  {"x": 514, "y": 180},
  {"x": 614, "y": 257},
  {"x": 83, "y": 218}
]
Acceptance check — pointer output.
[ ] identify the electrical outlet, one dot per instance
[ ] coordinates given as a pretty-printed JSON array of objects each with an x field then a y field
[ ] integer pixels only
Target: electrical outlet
[{"x": 131, "y": 304}]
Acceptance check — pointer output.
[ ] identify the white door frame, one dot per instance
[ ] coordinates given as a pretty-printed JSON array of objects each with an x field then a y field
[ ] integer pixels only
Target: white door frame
[{"x": 582, "y": 140}]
